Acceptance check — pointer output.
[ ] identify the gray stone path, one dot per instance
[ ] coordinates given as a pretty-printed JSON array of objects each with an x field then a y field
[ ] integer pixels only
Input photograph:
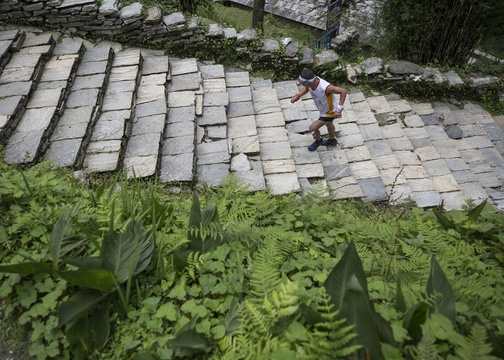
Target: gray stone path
[{"x": 104, "y": 108}]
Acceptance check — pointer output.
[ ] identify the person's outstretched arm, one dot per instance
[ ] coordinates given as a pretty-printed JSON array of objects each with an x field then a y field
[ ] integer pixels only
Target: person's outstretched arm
[{"x": 298, "y": 95}]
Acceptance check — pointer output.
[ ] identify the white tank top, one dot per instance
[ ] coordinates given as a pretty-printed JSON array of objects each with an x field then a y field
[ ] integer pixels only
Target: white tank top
[{"x": 326, "y": 103}]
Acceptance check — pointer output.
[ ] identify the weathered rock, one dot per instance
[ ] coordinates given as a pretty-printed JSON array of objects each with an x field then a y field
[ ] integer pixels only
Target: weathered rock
[
  {"x": 454, "y": 132},
  {"x": 453, "y": 78},
  {"x": 404, "y": 68},
  {"x": 372, "y": 65},
  {"x": 351, "y": 74},
  {"x": 246, "y": 35},
  {"x": 291, "y": 49},
  {"x": 215, "y": 31},
  {"x": 479, "y": 80},
  {"x": 307, "y": 57},
  {"x": 325, "y": 57},
  {"x": 154, "y": 17},
  {"x": 269, "y": 45},
  {"x": 174, "y": 19}
]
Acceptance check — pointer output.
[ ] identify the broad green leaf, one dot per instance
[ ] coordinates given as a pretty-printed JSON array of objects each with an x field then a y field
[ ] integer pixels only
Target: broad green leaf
[
  {"x": 79, "y": 305},
  {"x": 443, "y": 220},
  {"x": 210, "y": 214},
  {"x": 400, "y": 302},
  {"x": 474, "y": 213},
  {"x": 88, "y": 334},
  {"x": 145, "y": 256},
  {"x": 58, "y": 235},
  {"x": 84, "y": 262},
  {"x": 347, "y": 286},
  {"x": 441, "y": 328},
  {"x": 29, "y": 268},
  {"x": 414, "y": 319},
  {"x": 358, "y": 312},
  {"x": 189, "y": 342},
  {"x": 121, "y": 252},
  {"x": 385, "y": 332},
  {"x": 218, "y": 332},
  {"x": 167, "y": 311},
  {"x": 97, "y": 279},
  {"x": 232, "y": 318},
  {"x": 438, "y": 283},
  {"x": 338, "y": 279},
  {"x": 195, "y": 215},
  {"x": 296, "y": 332}
]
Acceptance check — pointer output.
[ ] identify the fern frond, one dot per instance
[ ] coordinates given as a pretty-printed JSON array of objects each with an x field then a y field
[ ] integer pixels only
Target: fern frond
[
  {"x": 317, "y": 193},
  {"x": 265, "y": 275},
  {"x": 426, "y": 349},
  {"x": 212, "y": 231},
  {"x": 194, "y": 261},
  {"x": 283, "y": 303},
  {"x": 257, "y": 319},
  {"x": 330, "y": 338},
  {"x": 476, "y": 347}
]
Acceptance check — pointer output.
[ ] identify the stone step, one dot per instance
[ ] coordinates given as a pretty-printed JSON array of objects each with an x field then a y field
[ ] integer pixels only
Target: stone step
[
  {"x": 83, "y": 106},
  {"x": 179, "y": 137},
  {"x": 187, "y": 122},
  {"x": 142, "y": 156},
  {"x": 45, "y": 104},
  {"x": 20, "y": 76},
  {"x": 10, "y": 42},
  {"x": 112, "y": 129}
]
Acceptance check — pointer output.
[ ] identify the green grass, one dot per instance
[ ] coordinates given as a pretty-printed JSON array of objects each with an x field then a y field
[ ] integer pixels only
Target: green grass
[{"x": 274, "y": 27}]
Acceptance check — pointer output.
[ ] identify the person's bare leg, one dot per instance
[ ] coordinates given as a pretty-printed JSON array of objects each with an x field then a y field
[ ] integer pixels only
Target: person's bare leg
[
  {"x": 314, "y": 129},
  {"x": 331, "y": 129}
]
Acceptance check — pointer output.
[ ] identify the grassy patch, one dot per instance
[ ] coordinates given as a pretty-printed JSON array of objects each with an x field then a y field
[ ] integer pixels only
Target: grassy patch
[{"x": 274, "y": 27}]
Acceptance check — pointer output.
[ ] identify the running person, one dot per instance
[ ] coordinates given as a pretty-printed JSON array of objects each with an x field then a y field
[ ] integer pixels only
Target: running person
[{"x": 324, "y": 95}]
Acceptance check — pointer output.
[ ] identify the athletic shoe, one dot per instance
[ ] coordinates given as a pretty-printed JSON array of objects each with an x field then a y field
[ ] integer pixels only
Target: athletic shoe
[
  {"x": 329, "y": 142},
  {"x": 315, "y": 145}
]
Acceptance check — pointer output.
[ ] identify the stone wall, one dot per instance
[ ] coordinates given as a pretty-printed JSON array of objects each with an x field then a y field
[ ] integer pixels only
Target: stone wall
[
  {"x": 363, "y": 16},
  {"x": 109, "y": 20}
]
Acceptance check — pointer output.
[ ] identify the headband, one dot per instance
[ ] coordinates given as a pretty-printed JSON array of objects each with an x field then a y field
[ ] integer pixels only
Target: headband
[{"x": 303, "y": 80}]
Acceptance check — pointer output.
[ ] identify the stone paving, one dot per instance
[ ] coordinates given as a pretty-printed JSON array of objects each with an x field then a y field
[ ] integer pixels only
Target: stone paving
[{"x": 102, "y": 108}]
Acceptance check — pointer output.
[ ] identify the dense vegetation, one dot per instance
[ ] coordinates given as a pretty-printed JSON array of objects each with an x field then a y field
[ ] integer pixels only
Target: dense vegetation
[
  {"x": 122, "y": 270},
  {"x": 442, "y": 31}
]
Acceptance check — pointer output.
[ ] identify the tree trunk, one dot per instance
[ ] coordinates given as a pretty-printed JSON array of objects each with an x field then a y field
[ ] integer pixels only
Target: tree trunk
[{"x": 258, "y": 15}]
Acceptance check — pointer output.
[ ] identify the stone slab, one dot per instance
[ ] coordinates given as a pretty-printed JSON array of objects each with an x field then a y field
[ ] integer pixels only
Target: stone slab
[
  {"x": 184, "y": 66},
  {"x": 278, "y": 166},
  {"x": 310, "y": 171},
  {"x": 426, "y": 199},
  {"x": 101, "y": 162},
  {"x": 235, "y": 79},
  {"x": 238, "y": 109},
  {"x": 345, "y": 188},
  {"x": 239, "y": 94},
  {"x": 151, "y": 125},
  {"x": 373, "y": 189},
  {"x": 141, "y": 166},
  {"x": 184, "y": 82},
  {"x": 63, "y": 153},
  {"x": 242, "y": 126},
  {"x": 281, "y": 184},
  {"x": 181, "y": 99},
  {"x": 364, "y": 170},
  {"x": 23, "y": 147},
  {"x": 246, "y": 145},
  {"x": 176, "y": 167},
  {"x": 124, "y": 73},
  {"x": 276, "y": 151},
  {"x": 212, "y": 174}
]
